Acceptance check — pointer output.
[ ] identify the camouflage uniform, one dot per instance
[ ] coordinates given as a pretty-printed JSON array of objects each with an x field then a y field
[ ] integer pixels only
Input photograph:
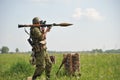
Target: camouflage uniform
[{"x": 39, "y": 48}]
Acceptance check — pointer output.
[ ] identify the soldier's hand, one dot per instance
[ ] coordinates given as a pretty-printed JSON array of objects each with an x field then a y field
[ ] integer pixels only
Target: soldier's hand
[{"x": 48, "y": 29}]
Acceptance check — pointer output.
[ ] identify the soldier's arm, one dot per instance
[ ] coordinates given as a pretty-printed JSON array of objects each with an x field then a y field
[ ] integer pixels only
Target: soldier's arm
[
  {"x": 37, "y": 33},
  {"x": 48, "y": 29}
]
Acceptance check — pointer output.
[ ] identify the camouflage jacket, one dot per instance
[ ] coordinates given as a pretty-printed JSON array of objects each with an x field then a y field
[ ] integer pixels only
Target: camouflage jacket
[{"x": 38, "y": 38}]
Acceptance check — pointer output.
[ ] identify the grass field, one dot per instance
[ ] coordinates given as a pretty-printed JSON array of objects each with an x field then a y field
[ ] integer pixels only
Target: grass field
[{"x": 92, "y": 67}]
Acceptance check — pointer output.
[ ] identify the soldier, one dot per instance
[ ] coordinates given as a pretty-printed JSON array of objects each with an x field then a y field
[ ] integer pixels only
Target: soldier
[
  {"x": 41, "y": 58},
  {"x": 37, "y": 39}
]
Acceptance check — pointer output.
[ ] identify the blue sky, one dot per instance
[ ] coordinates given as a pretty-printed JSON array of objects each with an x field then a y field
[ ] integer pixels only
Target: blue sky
[{"x": 96, "y": 23}]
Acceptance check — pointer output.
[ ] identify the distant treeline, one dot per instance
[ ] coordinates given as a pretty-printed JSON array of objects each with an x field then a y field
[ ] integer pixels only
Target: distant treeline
[
  {"x": 101, "y": 51},
  {"x": 113, "y": 51},
  {"x": 92, "y": 51},
  {"x": 5, "y": 49}
]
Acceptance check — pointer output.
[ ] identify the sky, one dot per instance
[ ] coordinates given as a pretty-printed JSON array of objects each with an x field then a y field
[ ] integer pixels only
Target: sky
[{"x": 96, "y": 23}]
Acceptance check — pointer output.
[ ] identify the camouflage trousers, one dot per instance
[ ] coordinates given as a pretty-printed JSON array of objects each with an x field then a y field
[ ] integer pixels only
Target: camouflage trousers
[{"x": 43, "y": 63}]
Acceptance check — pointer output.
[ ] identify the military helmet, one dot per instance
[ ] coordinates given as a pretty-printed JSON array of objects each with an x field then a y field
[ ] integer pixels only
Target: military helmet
[{"x": 35, "y": 20}]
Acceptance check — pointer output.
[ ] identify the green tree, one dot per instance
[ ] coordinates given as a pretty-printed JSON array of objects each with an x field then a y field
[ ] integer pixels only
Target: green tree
[
  {"x": 97, "y": 51},
  {"x": 17, "y": 50},
  {"x": 4, "y": 49}
]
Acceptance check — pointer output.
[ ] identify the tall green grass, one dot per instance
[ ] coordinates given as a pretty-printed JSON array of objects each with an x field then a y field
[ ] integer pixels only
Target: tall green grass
[
  {"x": 100, "y": 66},
  {"x": 15, "y": 67},
  {"x": 92, "y": 67}
]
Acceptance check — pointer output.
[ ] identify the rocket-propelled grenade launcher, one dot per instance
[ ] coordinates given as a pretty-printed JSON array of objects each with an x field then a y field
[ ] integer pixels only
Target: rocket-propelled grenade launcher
[{"x": 45, "y": 25}]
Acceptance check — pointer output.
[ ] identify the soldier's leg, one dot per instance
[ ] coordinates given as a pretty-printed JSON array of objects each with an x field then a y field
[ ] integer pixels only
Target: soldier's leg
[
  {"x": 38, "y": 71},
  {"x": 48, "y": 67},
  {"x": 40, "y": 67}
]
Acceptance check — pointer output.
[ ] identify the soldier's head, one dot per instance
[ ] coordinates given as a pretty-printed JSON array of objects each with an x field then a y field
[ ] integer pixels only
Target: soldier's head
[{"x": 36, "y": 20}]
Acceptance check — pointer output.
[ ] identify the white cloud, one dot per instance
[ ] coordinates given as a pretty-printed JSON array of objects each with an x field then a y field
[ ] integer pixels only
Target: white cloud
[
  {"x": 78, "y": 13},
  {"x": 90, "y": 13},
  {"x": 93, "y": 14}
]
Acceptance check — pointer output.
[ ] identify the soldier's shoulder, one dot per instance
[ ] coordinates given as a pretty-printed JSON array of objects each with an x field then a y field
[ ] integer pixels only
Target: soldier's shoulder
[{"x": 35, "y": 29}]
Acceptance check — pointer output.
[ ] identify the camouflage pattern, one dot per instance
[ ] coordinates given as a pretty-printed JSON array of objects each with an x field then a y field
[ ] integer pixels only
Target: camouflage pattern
[
  {"x": 52, "y": 58},
  {"x": 42, "y": 60},
  {"x": 68, "y": 64},
  {"x": 75, "y": 64},
  {"x": 72, "y": 64}
]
